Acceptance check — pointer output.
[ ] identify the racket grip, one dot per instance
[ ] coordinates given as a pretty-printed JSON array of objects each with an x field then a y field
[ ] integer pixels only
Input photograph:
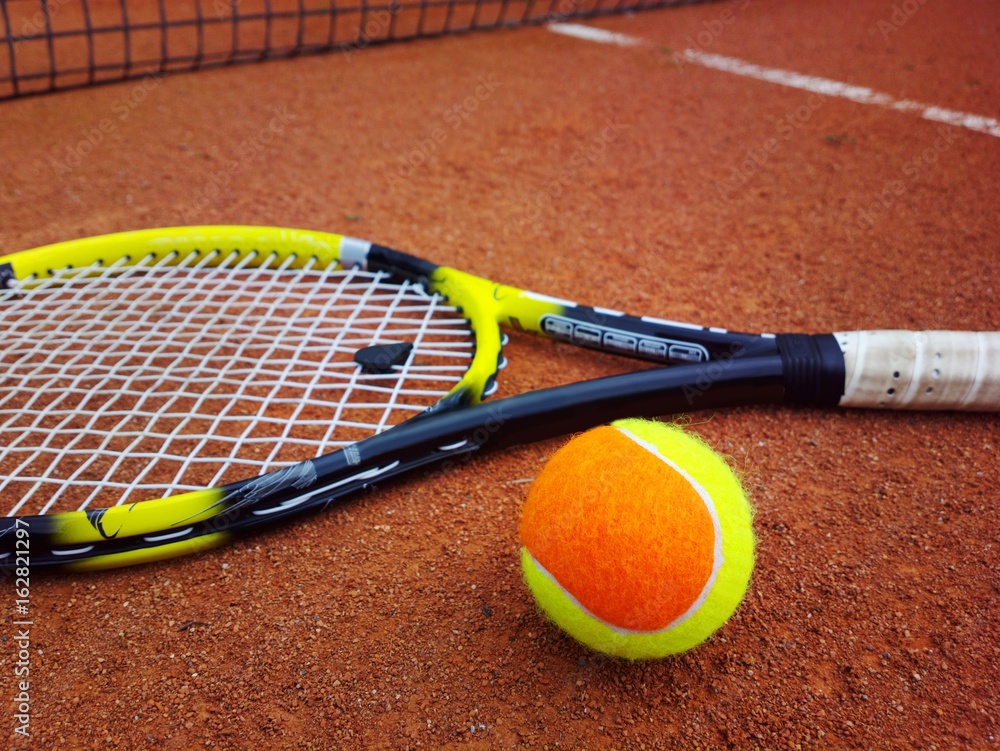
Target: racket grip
[{"x": 930, "y": 370}]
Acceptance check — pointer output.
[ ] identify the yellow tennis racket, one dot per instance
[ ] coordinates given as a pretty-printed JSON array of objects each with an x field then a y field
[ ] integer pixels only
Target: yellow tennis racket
[{"x": 165, "y": 390}]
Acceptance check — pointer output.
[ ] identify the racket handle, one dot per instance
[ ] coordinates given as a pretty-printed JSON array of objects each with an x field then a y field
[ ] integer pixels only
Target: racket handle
[{"x": 930, "y": 370}]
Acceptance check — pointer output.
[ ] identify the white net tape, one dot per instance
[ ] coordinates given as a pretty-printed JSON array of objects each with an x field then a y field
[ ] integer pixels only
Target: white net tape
[{"x": 127, "y": 383}]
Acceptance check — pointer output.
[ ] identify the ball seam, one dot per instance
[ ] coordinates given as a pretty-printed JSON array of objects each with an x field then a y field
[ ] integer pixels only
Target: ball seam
[{"x": 718, "y": 559}]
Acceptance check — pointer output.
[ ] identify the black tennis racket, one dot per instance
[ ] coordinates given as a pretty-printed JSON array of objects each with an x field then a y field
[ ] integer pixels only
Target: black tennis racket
[{"x": 165, "y": 390}]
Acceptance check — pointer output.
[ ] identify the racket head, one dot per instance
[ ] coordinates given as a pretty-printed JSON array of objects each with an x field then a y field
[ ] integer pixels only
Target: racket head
[
  {"x": 715, "y": 368},
  {"x": 139, "y": 363}
]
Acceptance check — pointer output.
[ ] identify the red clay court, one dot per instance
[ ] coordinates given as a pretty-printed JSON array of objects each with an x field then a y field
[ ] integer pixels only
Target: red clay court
[{"x": 761, "y": 165}]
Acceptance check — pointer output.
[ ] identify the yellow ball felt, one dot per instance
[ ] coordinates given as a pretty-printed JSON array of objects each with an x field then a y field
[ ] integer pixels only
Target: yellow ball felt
[{"x": 637, "y": 539}]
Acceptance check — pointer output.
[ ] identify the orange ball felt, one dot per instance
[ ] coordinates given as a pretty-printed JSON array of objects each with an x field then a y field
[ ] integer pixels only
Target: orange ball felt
[{"x": 637, "y": 539}]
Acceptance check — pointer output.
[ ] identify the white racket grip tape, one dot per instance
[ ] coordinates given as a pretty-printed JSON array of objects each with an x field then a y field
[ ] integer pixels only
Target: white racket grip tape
[{"x": 957, "y": 370}]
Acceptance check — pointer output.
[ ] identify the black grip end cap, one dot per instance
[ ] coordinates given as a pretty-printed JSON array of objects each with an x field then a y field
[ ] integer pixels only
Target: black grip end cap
[{"x": 813, "y": 367}]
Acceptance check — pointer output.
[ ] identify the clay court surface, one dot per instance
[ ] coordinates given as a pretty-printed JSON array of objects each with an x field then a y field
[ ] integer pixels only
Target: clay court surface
[{"x": 626, "y": 176}]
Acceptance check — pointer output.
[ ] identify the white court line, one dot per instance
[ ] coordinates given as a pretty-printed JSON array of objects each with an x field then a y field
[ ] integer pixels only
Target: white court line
[
  {"x": 594, "y": 35},
  {"x": 824, "y": 86}
]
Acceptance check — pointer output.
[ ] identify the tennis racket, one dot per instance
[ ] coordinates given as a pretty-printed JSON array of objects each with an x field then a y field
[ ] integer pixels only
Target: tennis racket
[{"x": 166, "y": 390}]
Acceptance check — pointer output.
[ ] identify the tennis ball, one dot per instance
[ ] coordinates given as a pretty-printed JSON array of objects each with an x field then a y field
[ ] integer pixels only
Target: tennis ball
[{"x": 637, "y": 539}]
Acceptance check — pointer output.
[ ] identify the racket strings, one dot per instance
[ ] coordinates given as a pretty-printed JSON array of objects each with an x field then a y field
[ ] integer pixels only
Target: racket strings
[{"x": 139, "y": 380}]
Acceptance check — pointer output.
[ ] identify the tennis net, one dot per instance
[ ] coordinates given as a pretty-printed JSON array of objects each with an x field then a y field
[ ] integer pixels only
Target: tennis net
[{"x": 50, "y": 45}]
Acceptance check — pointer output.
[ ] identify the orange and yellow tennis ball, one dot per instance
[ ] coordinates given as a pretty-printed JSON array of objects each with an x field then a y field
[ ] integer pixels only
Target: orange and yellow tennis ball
[{"x": 637, "y": 539}]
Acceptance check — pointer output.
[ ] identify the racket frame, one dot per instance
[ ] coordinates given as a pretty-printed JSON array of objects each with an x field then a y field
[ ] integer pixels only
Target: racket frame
[{"x": 709, "y": 368}]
